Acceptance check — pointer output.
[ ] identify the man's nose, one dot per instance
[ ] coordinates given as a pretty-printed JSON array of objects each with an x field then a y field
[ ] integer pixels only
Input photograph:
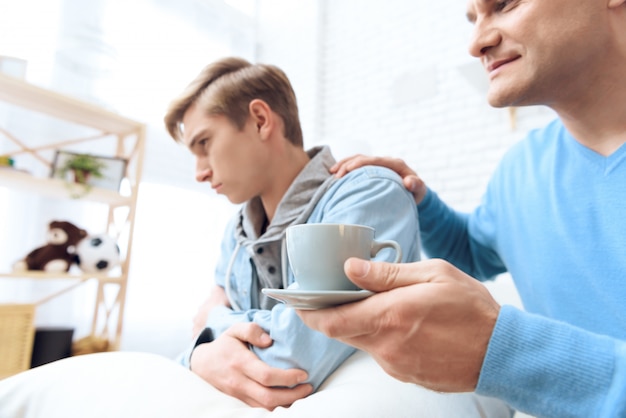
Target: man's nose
[{"x": 484, "y": 37}]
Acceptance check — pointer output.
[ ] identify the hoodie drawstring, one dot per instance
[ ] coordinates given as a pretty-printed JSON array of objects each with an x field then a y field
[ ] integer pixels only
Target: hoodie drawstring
[
  {"x": 227, "y": 284},
  {"x": 233, "y": 303}
]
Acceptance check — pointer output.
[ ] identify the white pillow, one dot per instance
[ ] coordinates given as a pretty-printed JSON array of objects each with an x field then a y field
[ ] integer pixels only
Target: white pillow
[{"x": 135, "y": 385}]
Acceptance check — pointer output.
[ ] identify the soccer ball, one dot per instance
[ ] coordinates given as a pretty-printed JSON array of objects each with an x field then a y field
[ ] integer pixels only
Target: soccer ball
[{"x": 97, "y": 254}]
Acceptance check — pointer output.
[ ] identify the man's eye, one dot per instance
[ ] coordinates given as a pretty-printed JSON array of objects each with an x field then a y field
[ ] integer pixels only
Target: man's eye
[{"x": 501, "y": 5}]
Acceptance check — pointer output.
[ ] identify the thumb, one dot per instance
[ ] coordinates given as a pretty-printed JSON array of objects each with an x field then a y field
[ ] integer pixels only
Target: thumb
[{"x": 379, "y": 276}]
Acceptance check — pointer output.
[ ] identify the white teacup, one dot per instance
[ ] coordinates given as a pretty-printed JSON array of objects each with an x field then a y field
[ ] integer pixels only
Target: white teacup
[{"x": 317, "y": 253}]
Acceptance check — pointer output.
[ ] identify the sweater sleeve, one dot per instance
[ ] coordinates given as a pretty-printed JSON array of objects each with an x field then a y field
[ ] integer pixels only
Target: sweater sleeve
[
  {"x": 550, "y": 368},
  {"x": 446, "y": 234}
]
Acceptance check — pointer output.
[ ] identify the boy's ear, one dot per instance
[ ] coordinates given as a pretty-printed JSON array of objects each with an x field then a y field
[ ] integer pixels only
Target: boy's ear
[{"x": 261, "y": 114}]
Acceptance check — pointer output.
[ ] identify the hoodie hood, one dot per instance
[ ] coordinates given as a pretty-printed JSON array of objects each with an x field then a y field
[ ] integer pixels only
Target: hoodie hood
[{"x": 266, "y": 250}]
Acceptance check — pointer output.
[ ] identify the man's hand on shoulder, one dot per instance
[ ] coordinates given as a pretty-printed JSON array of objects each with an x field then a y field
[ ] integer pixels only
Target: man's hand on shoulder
[{"x": 410, "y": 179}]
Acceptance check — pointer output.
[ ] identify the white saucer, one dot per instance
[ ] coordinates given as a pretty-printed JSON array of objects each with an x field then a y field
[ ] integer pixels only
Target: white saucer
[{"x": 315, "y": 299}]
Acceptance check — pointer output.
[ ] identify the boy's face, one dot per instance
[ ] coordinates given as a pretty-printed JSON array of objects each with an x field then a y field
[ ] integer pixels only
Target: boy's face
[
  {"x": 233, "y": 161},
  {"x": 538, "y": 51}
]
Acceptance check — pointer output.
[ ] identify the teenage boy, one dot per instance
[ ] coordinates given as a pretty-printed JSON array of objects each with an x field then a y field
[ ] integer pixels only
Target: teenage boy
[{"x": 240, "y": 121}]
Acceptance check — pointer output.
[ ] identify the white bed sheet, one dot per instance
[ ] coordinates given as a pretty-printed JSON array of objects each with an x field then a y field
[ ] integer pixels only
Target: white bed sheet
[{"x": 136, "y": 385}]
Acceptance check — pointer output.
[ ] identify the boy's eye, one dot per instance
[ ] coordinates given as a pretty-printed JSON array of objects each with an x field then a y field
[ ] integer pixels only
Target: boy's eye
[
  {"x": 203, "y": 145},
  {"x": 200, "y": 147}
]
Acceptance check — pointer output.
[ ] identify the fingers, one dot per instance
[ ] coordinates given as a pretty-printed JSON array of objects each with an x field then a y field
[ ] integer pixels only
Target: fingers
[
  {"x": 240, "y": 373},
  {"x": 258, "y": 370},
  {"x": 348, "y": 322},
  {"x": 395, "y": 164},
  {"x": 251, "y": 333},
  {"x": 410, "y": 179},
  {"x": 340, "y": 163},
  {"x": 348, "y": 164},
  {"x": 425, "y": 317},
  {"x": 268, "y": 376},
  {"x": 269, "y": 387},
  {"x": 270, "y": 398}
]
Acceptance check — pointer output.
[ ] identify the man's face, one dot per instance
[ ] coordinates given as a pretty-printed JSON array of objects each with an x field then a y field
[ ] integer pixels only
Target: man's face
[
  {"x": 537, "y": 51},
  {"x": 232, "y": 160}
]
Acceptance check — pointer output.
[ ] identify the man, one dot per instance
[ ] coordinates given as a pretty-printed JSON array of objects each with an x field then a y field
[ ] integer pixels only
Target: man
[{"x": 552, "y": 215}]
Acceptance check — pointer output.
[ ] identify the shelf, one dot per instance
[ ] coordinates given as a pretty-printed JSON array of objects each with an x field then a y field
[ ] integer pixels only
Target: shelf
[
  {"x": 42, "y": 275},
  {"x": 30, "y": 96},
  {"x": 127, "y": 138},
  {"x": 50, "y": 187}
]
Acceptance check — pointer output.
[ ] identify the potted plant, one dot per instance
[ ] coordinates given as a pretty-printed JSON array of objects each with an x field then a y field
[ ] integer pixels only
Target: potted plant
[{"x": 82, "y": 167}]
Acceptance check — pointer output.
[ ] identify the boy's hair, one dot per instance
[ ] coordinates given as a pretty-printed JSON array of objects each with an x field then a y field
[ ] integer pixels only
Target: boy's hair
[{"x": 226, "y": 87}]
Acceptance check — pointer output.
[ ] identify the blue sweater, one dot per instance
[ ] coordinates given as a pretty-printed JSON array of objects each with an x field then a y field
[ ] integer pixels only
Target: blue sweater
[{"x": 554, "y": 216}]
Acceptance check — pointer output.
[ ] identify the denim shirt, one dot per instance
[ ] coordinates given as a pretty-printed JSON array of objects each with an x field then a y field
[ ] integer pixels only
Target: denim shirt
[{"x": 372, "y": 196}]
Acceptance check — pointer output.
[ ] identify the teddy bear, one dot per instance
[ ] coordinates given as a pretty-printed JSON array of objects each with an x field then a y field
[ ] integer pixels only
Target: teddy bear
[{"x": 58, "y": 254}]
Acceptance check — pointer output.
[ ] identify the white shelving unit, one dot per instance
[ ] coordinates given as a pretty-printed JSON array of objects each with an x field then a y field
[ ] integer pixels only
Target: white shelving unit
[{"x": 127, "y": 139}]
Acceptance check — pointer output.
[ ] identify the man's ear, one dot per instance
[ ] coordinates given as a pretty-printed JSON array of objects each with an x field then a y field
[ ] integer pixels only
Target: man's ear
[{"x": 262, "y": 116}]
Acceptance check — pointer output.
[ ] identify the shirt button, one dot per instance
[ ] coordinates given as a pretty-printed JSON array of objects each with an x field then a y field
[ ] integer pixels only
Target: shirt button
[
  {"x": 259, "y": 250},
  {"x": 272, "y": 270}
]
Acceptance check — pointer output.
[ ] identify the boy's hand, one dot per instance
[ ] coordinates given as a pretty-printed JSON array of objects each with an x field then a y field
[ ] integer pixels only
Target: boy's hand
[{"x": 231, "y": 367}]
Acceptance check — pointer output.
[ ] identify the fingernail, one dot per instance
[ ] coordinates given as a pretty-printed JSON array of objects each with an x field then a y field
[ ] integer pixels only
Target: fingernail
[{"x": 358, "y": 268}]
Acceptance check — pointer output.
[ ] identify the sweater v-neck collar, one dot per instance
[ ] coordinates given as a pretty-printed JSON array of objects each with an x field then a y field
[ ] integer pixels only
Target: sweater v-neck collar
[{"x": 606, "y": 163}]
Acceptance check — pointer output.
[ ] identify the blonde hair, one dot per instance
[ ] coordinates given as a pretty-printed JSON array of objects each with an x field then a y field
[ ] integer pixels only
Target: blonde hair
[{"x": 226, "y": 87}]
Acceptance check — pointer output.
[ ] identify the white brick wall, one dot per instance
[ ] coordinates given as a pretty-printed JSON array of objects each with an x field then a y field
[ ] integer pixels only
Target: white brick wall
[{"x": 393, "y": 78}]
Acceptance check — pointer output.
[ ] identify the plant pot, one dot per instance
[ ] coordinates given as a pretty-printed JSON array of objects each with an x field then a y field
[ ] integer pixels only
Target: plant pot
[{"x": 81, "y": 176}]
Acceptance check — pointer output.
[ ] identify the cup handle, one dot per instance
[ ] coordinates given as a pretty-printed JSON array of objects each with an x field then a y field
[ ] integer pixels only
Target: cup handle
[{"x": 379, "y": 245}]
